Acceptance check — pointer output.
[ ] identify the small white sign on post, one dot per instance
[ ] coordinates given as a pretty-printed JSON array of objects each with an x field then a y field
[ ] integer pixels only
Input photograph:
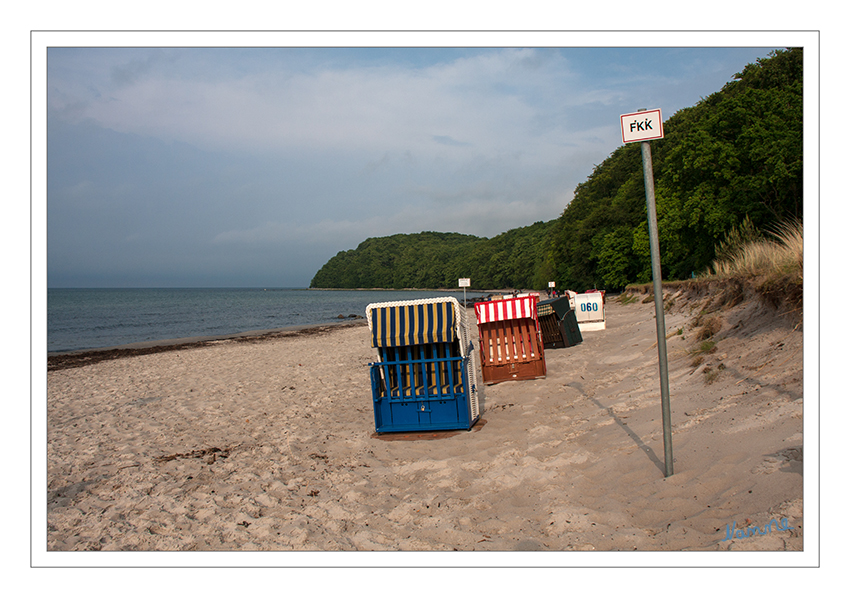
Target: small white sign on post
[
  {"x": 551, "y": 284},
  {"x": 463, "y": 282},
  {"x": 642, "y": 126}
]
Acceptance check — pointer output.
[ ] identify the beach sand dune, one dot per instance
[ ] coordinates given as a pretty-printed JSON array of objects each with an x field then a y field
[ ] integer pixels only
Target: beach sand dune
[{"x": 269, "y": 444}]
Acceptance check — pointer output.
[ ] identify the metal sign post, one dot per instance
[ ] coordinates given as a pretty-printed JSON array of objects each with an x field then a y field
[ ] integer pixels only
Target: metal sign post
[
  {"x": 463, "y": 282},
  {"x": 643, "y": 126}
]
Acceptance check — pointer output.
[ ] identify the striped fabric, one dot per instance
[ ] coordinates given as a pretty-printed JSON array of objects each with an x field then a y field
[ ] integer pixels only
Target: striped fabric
[
  {"x": 544, "y": 310},
  {"x": 513, "y": 308},
  {"x": 559, "y": 306},
  {"x": 406, "y": 325}
]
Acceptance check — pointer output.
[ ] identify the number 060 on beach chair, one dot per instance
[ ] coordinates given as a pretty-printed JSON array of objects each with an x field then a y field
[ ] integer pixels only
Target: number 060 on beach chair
[
  {"x": 511, "y": 346},
  {"x": 425, "y": 377}
]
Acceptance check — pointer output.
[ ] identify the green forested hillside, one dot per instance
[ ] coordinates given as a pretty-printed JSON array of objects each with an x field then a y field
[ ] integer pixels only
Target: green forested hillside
[
  {"x": 437, "y": 260},
  {"x": 398, "y": 261},
  {"x": 737, "y": 153}
]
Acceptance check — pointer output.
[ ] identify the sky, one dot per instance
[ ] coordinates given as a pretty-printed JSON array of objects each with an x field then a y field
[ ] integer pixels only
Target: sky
[{"x": 253, "y": 166}]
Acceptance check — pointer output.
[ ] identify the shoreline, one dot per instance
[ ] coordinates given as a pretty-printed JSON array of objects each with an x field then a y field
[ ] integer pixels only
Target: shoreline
[
  {"x": 59, "y": 360},
  {"x": 152, "y": 346},
  {"x": 81, "y": 343}
]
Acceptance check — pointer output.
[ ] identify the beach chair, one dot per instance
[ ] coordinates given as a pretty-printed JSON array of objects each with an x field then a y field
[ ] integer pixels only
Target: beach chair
[
  {"x": 510, "y": 343},
  {"x": 558, "y": 325},
  {"x": 425, "y": 377},
  {"x": 590, "y": 311}
]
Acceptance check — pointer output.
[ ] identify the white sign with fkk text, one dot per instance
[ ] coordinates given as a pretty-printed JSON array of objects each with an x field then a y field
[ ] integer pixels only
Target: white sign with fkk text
[
  {"x": 463, "y": 282},
  {"x": 642, "y": 126}
]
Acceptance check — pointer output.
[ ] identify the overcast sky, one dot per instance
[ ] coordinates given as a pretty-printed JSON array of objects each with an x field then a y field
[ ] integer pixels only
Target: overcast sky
[{"x": 253, "y": 166}]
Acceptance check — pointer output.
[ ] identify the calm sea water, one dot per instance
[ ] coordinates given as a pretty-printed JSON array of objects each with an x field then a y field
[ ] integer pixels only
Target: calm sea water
[{"x": 95, "y": 318}]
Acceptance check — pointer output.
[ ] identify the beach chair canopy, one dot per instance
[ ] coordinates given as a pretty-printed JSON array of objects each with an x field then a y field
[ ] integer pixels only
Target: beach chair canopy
[
  {"x": 412, "y": 323},
  {"x": 506, "y": 309},
  {"x": 559, "y": 306}
]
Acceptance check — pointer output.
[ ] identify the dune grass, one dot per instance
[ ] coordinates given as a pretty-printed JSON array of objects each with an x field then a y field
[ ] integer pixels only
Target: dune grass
[
  {"x": 770, "y": 264},
  {"x": 777, "y": 257}
]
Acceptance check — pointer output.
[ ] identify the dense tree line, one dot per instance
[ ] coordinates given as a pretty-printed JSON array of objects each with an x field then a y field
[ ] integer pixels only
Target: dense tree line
[
  {"x": 437, "y": 260},
  {"x": 736, "y": 155}
]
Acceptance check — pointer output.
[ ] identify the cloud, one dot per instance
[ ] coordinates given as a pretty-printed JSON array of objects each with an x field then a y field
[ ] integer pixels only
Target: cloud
[
  {"x": 487, "y": 100},
  {"x": 446, "y": 140}
]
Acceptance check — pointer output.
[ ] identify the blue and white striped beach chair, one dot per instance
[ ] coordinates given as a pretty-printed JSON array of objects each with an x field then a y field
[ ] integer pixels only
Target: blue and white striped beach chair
[{"x": 425, "y": 377}]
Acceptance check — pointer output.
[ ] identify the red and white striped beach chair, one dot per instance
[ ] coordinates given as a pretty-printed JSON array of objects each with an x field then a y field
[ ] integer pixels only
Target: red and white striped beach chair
[{"x": 510, "y": 341}]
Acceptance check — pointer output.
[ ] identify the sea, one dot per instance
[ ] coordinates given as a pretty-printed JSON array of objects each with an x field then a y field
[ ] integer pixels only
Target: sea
[{"x": 83, "y": 319}]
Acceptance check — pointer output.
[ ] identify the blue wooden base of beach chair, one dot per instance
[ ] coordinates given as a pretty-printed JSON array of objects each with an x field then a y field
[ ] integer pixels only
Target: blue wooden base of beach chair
[{"x": 421, "y": 388}]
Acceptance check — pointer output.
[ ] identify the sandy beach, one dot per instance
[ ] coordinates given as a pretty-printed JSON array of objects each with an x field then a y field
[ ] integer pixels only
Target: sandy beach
[{"x": 268, "y": 444}]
